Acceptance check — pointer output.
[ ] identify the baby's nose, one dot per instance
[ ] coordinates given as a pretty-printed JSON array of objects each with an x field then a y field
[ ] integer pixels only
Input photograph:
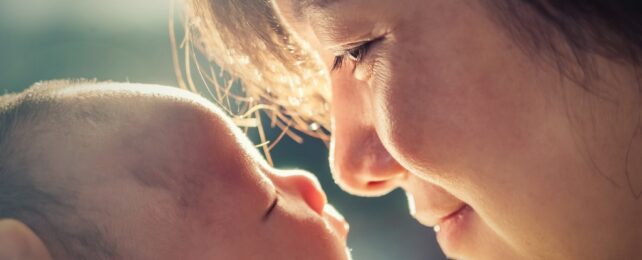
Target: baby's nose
[{"x": 307, "y": 186}]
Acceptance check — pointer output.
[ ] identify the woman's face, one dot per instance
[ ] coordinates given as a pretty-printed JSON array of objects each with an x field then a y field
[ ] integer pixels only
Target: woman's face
[{"x": 507, "y": 158}]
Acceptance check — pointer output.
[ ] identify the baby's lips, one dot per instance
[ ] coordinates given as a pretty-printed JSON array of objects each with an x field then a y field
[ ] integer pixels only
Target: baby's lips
[{"x": 337, "y": 221}]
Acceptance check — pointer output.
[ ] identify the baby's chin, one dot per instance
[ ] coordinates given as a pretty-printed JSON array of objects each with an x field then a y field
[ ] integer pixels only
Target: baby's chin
[
  {"x": 348, "y": 253},
  {"x": 345, "y": 251},
  {"x": 342, "y": 253}
]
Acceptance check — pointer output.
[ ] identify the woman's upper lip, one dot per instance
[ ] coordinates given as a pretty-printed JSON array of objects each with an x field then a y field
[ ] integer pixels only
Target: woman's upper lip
[
  {"x": 451, "y": 214},
  {"x": 434, "y": 217}
]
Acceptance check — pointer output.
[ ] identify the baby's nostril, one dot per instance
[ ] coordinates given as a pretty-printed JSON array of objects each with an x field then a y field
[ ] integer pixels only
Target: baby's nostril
[
  {"x": 309, "y": 189},
  {"x": 316, "y": 200},
  {"x": 315, "y": 196}
]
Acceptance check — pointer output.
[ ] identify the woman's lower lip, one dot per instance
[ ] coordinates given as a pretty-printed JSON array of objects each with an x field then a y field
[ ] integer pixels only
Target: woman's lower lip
[{"x": 452, "y": 230}]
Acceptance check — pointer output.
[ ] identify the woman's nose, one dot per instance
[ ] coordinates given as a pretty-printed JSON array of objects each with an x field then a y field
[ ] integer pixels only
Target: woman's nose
[
  {"x": 305, "y": 185},
  {"x": 360, "y": 163},
  {"x": 362, "y": 166}
]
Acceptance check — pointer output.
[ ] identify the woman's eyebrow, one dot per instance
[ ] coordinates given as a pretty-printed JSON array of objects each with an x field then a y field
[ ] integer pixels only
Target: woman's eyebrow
[
  {"x": 300, "y": 6},
  {"x": 320, "y": 3}
]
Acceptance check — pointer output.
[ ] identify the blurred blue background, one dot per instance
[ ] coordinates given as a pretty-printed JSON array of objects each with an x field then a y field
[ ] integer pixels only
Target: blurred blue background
[{"x": 128, "y": 40}]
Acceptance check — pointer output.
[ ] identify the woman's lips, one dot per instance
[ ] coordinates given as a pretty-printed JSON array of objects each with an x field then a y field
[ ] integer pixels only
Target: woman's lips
[
  {"x": 451, "y": 230},
  {"x": 336, "y": 222},
  {"x": 449, "y": 217}
]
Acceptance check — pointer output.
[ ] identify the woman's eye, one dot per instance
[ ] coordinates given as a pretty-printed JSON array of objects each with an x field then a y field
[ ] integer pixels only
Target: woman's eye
[{"x": 356, "y": 54}]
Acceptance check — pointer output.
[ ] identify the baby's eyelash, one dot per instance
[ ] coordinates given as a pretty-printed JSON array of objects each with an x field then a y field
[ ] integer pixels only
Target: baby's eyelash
[{"x": 271, "y": 208}]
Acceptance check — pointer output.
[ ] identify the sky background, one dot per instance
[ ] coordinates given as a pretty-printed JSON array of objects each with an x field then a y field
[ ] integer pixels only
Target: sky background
[{"x": 127, "y": 40}]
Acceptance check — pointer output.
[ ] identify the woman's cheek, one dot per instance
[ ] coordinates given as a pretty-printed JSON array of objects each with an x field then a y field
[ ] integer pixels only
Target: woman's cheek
[{"x": 399, "y": 118}]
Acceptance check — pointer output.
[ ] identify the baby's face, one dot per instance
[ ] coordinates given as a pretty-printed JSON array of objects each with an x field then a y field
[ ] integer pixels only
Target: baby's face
[{"x": 166, "y": 176}]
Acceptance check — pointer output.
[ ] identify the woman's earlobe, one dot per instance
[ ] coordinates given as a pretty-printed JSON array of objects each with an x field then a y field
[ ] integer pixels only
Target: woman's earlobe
[{"x": 19, "y": 242}]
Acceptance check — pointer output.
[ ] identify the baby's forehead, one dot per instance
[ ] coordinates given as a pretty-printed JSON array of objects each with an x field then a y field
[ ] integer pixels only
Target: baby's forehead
[
  {"x": 110, "y": 111},
  {"x": 157, "y": 107},
  {"x": 163, "y": 137},
  {"x": 125, "y": 101}
]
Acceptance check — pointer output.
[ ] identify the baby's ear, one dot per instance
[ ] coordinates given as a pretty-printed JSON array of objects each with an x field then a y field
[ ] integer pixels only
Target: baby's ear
[{"x": 19, "y": 242}]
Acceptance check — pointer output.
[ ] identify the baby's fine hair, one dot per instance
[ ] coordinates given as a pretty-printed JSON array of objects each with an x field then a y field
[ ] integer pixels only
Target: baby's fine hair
[{"x": 50, "y": 213}]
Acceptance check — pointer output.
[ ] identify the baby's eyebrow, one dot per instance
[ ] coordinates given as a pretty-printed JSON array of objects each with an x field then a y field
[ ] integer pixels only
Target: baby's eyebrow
[
  {"x": 151, "y": 179},
  {"x": 181, "y": 187}
]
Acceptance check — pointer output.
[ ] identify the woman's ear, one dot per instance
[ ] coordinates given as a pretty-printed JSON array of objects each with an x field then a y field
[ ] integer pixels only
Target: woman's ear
[{"x": 19, "y": 242}]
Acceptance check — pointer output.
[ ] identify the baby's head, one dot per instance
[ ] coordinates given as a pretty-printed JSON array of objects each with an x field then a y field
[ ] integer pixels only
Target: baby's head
[{"x": 124, "y": 171}]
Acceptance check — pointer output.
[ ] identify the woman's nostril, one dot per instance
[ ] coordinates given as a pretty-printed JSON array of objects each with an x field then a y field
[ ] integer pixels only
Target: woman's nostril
[
  {"x": 363, "y": 166},
  {"x": 370, "y": 178},
  {"x": 376, "y": 184}
]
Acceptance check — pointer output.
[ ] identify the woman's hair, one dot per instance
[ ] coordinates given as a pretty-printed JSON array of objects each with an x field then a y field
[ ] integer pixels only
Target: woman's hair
[
  {"x": 247, "y": 39},
  {"x": 572, "y": 33}
]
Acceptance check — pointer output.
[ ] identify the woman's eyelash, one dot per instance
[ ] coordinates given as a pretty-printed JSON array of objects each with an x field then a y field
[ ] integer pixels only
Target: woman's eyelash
[
  {"x": 356, "y": 54},
  {"x": 338, "y": 63}
]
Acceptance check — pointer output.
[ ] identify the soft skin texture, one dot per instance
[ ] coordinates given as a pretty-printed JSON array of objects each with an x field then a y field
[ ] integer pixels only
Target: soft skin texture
[
  {"x": 165, "y": 175},
  {"x": 447, "y": 106},
  {"x": 17, "y": 241}
]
